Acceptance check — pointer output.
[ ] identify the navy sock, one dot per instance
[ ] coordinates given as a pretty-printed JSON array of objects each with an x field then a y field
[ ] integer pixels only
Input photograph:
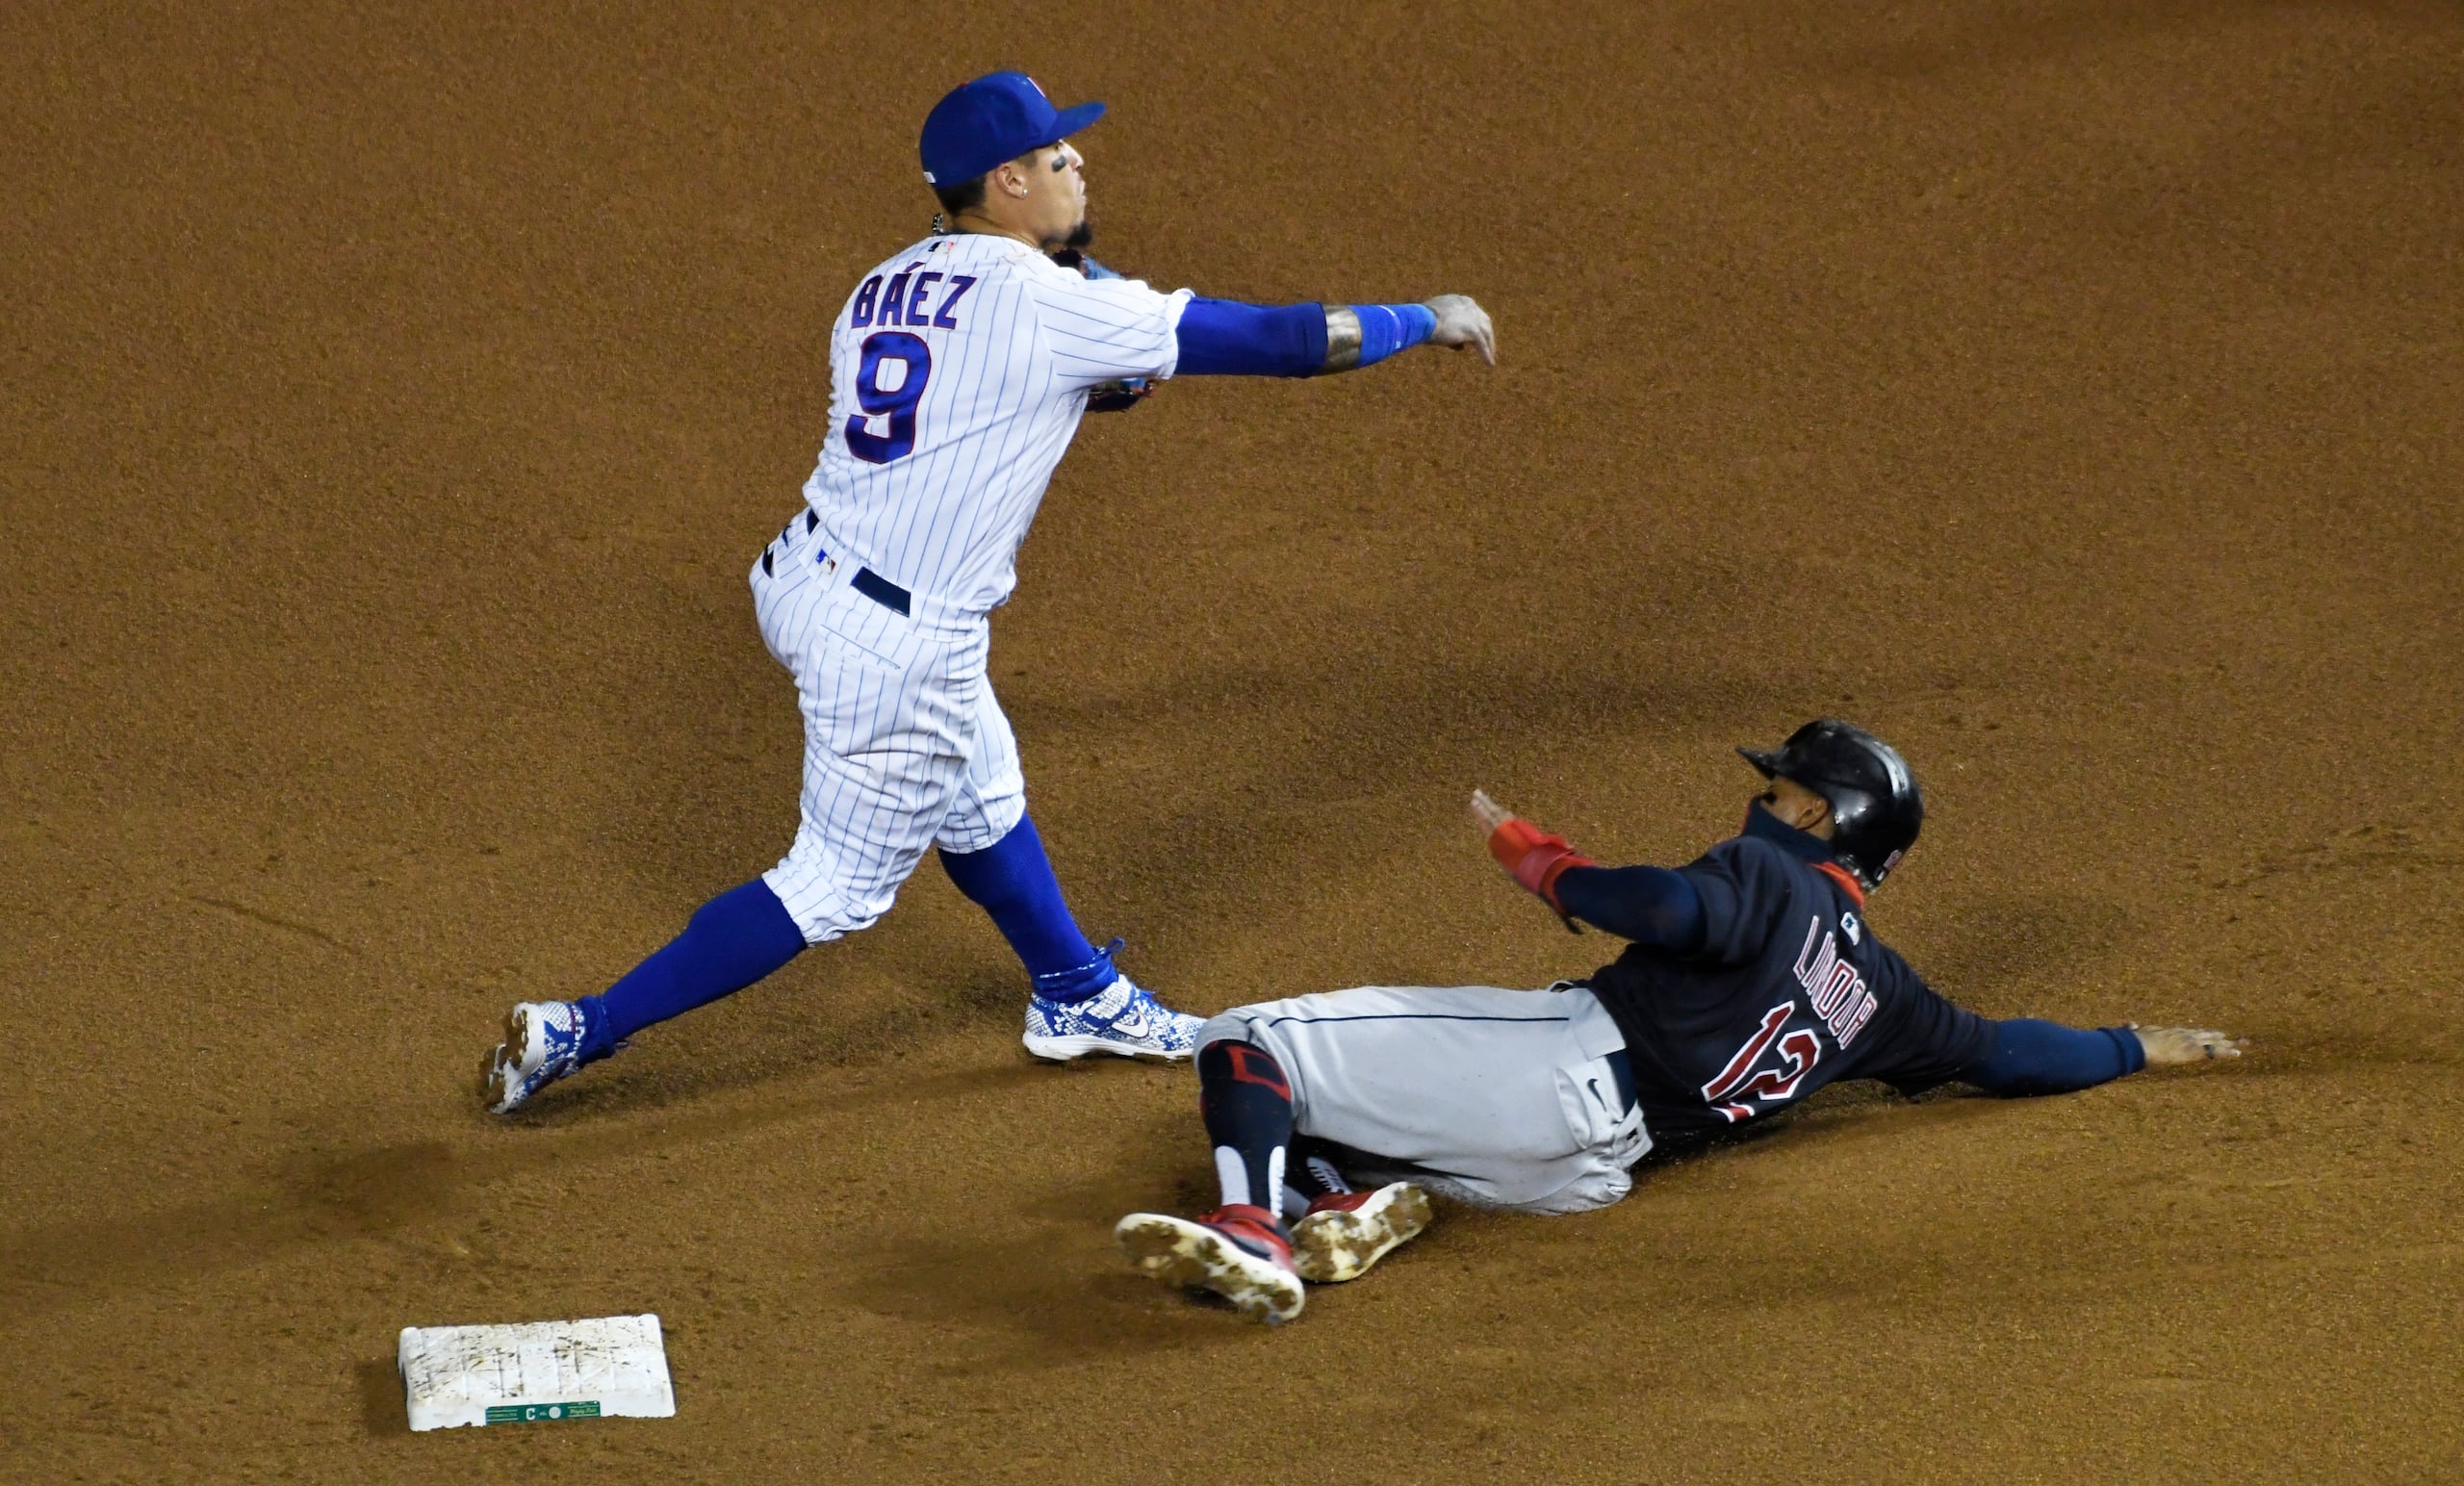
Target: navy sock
[
  {"x": 732, "y": 940},
  {"x": 1247, "y": 1103},
  {"x": 1013, "y": 880}
]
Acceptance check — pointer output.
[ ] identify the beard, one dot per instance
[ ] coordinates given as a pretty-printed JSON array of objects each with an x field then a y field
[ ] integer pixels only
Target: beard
[{"x": 1075, "y": 241}]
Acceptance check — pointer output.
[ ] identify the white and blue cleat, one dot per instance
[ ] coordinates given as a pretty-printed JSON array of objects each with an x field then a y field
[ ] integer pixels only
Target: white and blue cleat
[
  {"x": 1123, "y": 1019},
  {"x": 542, "y": 1040},
  {"x": 542, "y": 1044}
]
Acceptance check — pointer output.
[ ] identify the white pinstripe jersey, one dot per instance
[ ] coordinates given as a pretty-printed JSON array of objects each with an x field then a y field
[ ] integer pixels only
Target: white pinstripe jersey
[{"x": 958, "y": 371}]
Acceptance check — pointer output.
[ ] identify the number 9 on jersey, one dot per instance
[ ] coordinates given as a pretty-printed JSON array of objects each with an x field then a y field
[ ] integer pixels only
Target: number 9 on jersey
[{"x": 896, "y": 402}]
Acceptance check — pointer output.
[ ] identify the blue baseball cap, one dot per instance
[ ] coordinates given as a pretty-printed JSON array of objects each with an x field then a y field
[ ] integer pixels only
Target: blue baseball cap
[{"x": 998, "y": 116}]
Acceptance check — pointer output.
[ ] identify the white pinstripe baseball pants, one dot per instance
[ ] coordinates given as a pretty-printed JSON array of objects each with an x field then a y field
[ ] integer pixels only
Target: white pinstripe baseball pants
[{"x": 904, "y": 745}]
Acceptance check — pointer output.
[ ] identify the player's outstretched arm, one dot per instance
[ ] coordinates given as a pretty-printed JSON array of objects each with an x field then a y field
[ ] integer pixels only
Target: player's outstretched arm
[
  {"x": 2032, "y": 1057},
  {"x": 1227, "y": 338}
]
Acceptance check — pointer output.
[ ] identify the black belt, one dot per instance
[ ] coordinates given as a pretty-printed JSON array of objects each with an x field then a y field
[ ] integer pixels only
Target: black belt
[
  {"x": 881, "y": 590},
  {"x": 871, "y": 585},
  {"x": 1621, "y": 1069}
]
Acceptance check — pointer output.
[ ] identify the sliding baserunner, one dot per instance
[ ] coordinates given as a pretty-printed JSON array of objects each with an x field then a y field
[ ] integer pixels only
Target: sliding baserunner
[{"x": 1751, "y": 981}]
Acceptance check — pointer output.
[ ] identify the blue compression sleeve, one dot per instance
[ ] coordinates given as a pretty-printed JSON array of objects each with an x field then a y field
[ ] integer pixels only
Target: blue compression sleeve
[
  {"x": 1651, "y": 905},
  {"x": 2032, "y": 1057},
  {"x": 732, "y": 940},
  {"x": 1226, "y": 338},
  {"x": 1388, "y": 328},
  {"x": 1013, "y": 880}
]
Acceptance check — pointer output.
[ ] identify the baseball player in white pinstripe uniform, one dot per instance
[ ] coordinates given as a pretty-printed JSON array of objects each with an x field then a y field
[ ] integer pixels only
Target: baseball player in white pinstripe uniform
[{"x": 959, "y": 369}]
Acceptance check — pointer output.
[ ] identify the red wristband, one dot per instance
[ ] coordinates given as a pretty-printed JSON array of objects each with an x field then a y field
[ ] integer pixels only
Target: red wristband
[
  {"x": 1535, "y": 857},
  {"x": 1548, "y": 888}
]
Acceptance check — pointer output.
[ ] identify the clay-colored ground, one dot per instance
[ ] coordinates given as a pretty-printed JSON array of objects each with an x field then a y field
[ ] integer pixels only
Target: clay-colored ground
[{"x": 390, "y": 402}]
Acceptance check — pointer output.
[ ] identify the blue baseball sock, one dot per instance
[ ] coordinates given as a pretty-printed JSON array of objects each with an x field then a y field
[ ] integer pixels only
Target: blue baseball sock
[
  {"x": 1013, "y": 880},
  {"x": 737, "y": 937}
]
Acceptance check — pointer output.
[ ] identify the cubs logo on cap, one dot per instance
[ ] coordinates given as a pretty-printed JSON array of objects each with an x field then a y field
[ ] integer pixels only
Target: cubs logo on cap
[{"x": 998, "y": 116}]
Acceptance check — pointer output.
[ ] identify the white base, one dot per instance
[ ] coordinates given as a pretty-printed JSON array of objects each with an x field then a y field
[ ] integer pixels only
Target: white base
[{"x": 549, "y": 1370}]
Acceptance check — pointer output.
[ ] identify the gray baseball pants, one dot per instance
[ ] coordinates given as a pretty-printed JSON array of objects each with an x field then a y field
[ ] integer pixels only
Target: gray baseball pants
[{"x": 1499, "y": 1098}]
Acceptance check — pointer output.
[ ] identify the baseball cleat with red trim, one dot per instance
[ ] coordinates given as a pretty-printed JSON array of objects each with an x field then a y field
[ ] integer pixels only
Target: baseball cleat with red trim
[
  {"x": 1235, "y": 1251},
  {"x": 1343, "y": 1233}
]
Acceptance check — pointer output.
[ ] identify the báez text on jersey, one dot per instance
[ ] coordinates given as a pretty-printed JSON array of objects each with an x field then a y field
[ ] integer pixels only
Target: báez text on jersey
[{"x": 904, "y": 301}]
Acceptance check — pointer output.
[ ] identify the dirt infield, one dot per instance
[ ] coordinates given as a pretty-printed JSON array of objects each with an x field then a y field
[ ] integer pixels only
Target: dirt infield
[{"x": 391, "y": 403}]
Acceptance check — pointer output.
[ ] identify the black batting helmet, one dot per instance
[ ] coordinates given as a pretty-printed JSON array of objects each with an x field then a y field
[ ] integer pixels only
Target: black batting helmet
[{"x": 1875, "y": 808}]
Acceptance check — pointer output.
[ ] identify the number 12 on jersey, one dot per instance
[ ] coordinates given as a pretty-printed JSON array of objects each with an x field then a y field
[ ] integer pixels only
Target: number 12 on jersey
[
  {"x": 895, "y": 402},
  {"x": 1732, "y": 1085}
]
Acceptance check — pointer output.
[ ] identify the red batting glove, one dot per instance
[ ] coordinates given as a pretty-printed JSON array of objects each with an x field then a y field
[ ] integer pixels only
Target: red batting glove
[{"x": 1535, "y": 857}]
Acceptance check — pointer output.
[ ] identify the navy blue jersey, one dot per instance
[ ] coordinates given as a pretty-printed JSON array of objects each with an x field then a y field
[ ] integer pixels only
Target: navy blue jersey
[{"x": 1787, "y": 992}]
